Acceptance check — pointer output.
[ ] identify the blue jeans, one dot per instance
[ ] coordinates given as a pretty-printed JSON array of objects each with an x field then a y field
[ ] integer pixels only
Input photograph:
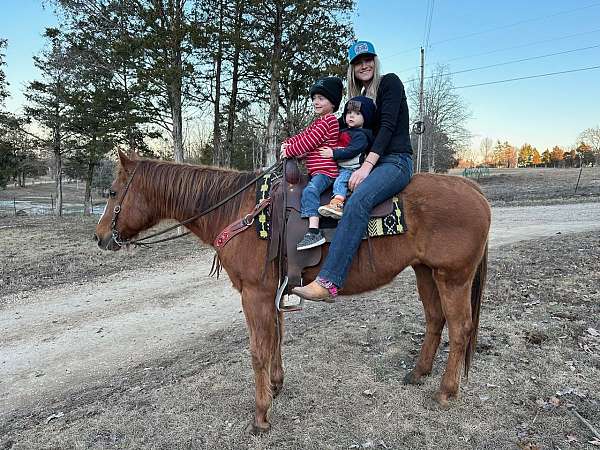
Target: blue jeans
[
  {"x": 311, "y": 195},
  {"x": 340, "y": 185},
  {"x": 391, "y": 174}
]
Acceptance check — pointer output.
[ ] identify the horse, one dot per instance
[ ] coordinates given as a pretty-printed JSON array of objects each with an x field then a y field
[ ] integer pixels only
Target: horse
[{"x": 446, "y": 244}]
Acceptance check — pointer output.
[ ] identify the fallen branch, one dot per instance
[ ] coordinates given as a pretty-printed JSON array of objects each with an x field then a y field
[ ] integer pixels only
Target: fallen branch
[{"x": 585, "y": 422}]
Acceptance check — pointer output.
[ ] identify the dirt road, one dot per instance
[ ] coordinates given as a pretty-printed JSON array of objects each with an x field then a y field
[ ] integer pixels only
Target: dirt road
[{"x": 58, "y": 338}]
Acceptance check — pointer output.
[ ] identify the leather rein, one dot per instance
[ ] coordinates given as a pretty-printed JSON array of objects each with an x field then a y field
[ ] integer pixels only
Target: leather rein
[{"x": 145, "y": 241}]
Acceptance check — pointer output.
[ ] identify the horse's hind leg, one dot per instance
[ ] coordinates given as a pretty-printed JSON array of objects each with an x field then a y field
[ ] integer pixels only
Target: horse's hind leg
[
  {"x": 259, "y": 309},
  {"x": 455, "y": 298},
  {"x": 276, "y": 362},
  {"x": 435, "y": 324}
]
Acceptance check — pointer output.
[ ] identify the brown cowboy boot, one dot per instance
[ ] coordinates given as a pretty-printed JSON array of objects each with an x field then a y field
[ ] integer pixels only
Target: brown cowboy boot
[{"x": 315, "y": 292}]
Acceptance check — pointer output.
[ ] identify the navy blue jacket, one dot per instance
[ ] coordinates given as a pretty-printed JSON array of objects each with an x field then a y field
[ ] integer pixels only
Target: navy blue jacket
[{"x": 360, "y": 141}]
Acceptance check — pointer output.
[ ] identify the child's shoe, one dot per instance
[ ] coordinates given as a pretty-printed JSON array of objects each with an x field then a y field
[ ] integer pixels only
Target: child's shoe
[
  {"x": 310, "y": 240},
  {"x": 335, "y": 209}
]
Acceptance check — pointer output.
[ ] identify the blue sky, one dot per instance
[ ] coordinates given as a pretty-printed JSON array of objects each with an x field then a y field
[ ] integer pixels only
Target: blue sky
[{"x": 542, "y": 111}]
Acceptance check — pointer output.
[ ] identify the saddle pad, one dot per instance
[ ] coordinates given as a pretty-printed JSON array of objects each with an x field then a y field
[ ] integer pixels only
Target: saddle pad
[{"x": 388, "y": 225}]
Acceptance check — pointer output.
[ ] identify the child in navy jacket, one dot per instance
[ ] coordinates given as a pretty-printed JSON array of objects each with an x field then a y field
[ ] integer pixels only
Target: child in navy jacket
[{"x": 353, "y": 142}]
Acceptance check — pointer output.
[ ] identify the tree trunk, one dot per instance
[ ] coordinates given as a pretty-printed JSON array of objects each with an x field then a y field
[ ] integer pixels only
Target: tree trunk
[
  {"x": 234, "y": 82},
  {"x": 58, "y": 182},
  {"x": 88, "y": 207},
  {"x": 176, "y": 114},
  {"x": 175, "y": 78},
  {"x": 271, "y": 141},
  {"x": 218, "y": 158},
  {"x": 129, "y": 127}
]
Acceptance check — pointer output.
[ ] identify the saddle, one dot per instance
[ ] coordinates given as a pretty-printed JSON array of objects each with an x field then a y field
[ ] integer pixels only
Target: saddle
[
  {"x": 288, "y": 228},
  {"x": 277, "y": 212}
]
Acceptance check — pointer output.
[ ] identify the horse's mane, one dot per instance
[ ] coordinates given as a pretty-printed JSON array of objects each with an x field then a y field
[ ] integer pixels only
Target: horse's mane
[{"x": 189, "y": 189}]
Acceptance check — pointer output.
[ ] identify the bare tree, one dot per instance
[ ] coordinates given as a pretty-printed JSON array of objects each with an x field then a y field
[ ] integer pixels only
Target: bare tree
[
  {"x": 591, "y": 137},
  {"x": 445, "y": 115},
  {"x": 486, "y": 147}
]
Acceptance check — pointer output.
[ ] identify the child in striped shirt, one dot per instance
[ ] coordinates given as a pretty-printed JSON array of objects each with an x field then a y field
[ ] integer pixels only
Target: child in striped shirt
[{"x": 326, "y": 95}]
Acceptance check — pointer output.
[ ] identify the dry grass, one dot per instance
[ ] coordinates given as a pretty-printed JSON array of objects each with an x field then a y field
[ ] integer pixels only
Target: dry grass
[
  {"x": 542, "y": 297},
  {"x": 40, "y": 192},
  {"x": 39, "y": 251},
  {"x": 512, "y": 187}
]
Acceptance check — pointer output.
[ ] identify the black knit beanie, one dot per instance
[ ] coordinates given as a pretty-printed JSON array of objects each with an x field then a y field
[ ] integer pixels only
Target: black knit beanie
[{"x": 329, "y": 87}]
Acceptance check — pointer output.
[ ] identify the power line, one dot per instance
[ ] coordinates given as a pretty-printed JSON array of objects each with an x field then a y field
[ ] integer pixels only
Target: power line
[
  {"x": 515, "y": 61},
  {"x": 520, "y": 22},
  {"x": 525, "y": 59},
  {"x": 508, "y": 48},
  {"x": 528, "y": 77},
  {"x": 499, "y": 28},
  {"x": 428, "y": 20}
]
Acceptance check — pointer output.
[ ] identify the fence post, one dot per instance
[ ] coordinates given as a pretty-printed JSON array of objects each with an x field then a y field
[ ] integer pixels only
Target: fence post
[
  {"x": 15, "y": 205},
  {"x": 579, "y": 177},
  {"x": 52, "y": 202}
]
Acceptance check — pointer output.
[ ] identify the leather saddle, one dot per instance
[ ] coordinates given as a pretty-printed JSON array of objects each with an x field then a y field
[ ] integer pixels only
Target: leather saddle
[{"x": 288, "y": 228}]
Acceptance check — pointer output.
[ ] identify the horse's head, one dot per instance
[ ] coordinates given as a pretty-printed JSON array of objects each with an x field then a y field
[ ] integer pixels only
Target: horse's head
[{"x": 127, "y": 211}]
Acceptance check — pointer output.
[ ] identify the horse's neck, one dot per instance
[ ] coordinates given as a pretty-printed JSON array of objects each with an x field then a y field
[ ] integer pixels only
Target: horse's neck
[{"x": 210, "y": 225}]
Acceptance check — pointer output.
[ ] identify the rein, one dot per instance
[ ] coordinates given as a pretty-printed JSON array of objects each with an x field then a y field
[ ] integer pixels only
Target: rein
[{"x": 116, "y": 236}]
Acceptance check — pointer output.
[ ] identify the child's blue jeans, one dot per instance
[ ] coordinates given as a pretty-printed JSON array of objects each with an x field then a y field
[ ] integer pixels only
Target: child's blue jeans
[
  {"x": 311, "y": 195},
  {"x": 340, "y": 185}
]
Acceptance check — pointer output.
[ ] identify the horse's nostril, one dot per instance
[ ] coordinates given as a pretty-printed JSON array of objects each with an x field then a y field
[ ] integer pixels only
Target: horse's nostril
[{"x": 96, "y": 237}]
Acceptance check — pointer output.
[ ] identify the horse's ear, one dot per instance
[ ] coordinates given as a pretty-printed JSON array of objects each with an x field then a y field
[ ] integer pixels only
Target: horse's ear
[{"x": 126, "y": 163}]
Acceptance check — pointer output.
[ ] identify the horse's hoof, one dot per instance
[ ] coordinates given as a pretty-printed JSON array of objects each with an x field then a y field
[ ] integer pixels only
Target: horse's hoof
[
  {"x": 276, "y": 389},
  {"x": 256, "y": 430},
  {"x": 412, "y": 378},
  {"x": 443, "y": 400}
]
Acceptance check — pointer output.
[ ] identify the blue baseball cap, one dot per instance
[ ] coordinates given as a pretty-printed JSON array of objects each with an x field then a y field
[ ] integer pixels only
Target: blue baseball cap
[{"x": 360, "y": 48}]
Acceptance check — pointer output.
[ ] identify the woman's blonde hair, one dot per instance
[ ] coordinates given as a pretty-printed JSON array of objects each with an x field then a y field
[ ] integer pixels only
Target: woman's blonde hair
[{"x": 355, "y": 87}]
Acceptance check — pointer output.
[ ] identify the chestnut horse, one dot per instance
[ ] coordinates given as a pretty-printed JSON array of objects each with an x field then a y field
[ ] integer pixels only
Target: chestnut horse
[{"x": 447, "y": 219}]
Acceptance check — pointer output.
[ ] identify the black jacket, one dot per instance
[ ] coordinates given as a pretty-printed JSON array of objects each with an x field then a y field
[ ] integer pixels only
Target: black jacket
[{"x": 391, "y": 118}]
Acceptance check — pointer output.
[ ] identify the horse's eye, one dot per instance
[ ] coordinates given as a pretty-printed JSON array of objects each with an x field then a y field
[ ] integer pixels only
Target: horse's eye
[{"x": 112, "y": 194}]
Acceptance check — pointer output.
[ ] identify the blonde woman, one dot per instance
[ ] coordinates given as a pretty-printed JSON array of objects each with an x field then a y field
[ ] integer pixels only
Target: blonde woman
[{"x": 386, "y": 170}]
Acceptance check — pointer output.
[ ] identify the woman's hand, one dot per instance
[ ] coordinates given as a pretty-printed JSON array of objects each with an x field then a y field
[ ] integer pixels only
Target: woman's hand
[
  {"x": 283, "y": 155},
  {"x": 326, "y": 152},
  {"x": 359, "y": 175}
]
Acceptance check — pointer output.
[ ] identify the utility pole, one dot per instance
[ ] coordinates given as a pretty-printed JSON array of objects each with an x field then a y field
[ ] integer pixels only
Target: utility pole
[{"x": 421, "y": 128}]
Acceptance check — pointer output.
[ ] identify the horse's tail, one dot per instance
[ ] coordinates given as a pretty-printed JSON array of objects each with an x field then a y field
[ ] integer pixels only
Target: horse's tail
[{"x": 476, "y": 296}]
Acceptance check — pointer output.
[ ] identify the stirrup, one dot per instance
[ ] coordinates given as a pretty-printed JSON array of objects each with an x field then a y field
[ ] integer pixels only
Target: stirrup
[{"x": 279, "y": 302}]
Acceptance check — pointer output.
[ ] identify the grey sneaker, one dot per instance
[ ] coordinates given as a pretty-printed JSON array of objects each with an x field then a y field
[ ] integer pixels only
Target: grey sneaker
[{"x": 310, "y": 240}]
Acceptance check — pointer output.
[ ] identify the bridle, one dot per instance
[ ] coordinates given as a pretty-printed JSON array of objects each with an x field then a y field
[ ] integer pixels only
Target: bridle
[
  {"x": 145, "y": 241},
  {"x": 116, "y": 235}
]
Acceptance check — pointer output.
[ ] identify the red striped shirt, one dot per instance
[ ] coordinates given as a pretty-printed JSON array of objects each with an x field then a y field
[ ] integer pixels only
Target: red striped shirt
[{"x": 324, "y": 131}]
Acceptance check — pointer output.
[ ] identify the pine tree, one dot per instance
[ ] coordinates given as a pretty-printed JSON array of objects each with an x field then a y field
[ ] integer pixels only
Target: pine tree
[
  {"x": 166, "y": 34},
  {"x": 5, "y": 117},
  {"x": 294, "y": 44},
  {"x": 47, "y": 102},
  {"x": 3, "y": 82}
]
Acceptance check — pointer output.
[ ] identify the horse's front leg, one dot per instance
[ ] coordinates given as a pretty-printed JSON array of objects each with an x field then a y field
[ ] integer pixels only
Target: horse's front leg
[
  {"x": 259, "y": 309},
  {"x": 276, "y": 362}
]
